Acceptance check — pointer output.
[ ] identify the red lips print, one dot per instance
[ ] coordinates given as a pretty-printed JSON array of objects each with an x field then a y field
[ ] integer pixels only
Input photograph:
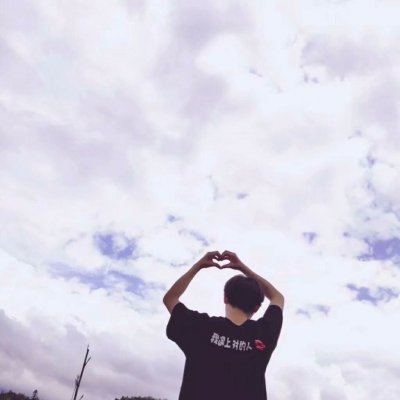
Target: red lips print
[{"x": 259, "y": 344}]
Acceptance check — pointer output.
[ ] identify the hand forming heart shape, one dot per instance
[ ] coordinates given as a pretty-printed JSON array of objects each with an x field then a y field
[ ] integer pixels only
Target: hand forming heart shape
[
  {"x": 220, "y": 260},
  {"x": 216, "y": 259}
]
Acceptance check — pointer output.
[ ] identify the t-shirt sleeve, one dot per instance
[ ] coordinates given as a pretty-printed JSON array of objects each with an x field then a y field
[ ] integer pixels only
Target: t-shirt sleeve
[
  {"x": 185, "y": 326},
  {"x": 270, "y": 325}
]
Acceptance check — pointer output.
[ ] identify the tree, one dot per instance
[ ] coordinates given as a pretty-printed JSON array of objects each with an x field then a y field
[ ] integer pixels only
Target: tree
[
  {"x": 12, "y": 396},
  {"x": 35, "y": 395}
]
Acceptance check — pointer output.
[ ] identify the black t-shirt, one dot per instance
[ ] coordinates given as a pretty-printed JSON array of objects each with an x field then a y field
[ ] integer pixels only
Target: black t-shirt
[{"x": 224, "y": 361}]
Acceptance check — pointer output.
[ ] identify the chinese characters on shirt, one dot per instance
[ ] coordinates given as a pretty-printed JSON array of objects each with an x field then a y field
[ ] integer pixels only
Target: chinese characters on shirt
[{"x": 225, "y": 341}]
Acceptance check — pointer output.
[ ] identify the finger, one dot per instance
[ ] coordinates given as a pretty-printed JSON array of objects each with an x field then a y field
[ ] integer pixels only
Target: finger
[
  {"x": 217, "y": 255},
  {"x": 226, "y": 254},
  {"x": 210, "y": 255}
]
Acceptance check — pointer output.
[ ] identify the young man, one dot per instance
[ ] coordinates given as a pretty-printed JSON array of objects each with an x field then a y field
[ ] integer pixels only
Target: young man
[{"x": 226, "y": 358}]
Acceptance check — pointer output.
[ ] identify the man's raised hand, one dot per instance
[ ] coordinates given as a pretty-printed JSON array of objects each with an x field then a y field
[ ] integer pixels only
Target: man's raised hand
[
  {"x": 234, "y": 263},
  {"x": 208, "y": 260}
]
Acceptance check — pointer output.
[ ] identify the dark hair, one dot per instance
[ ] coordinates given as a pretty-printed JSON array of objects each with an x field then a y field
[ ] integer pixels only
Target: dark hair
[{"x": 244, "y": 293}]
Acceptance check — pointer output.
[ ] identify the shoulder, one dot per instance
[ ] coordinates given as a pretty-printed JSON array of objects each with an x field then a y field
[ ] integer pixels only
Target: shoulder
[
  {"x": 273, "y": 310},
  {"x": 181, "y": 309},
  {"x": 276, "y": 308},
  {"x": 273, "y": 315},
  {"x": 278, "y": 301}
]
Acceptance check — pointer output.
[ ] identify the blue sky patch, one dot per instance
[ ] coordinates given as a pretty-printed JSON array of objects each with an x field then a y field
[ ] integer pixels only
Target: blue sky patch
[
  {"x": 103, "y": 279},
  {"x": 370, "y": 160},
  {"x": 364, "y": 294},
  {"x": 115, "y": 246},
  {"x": 196, "y": 235},
  {"x": 132, "y": 283},
  {"x": 172, "y": 218},
  {"x": 241, "y": 195},
  {"x": 309, "y": 236},
  {"x": 301, "y": 311},
  {"x": 382, "y": 249},
  {"x": 313, "y": 309}
]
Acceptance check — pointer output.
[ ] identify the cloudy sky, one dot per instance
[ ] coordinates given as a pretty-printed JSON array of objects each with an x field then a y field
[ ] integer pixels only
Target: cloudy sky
[{"x": 137, "y": 135}]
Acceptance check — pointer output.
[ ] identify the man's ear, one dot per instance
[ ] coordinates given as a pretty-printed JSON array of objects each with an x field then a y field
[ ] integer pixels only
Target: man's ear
[{"x": 225, "y": 300}]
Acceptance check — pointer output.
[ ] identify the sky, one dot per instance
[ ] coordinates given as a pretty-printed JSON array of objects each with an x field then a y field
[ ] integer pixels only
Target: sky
[{"x": 137, "y": 135}]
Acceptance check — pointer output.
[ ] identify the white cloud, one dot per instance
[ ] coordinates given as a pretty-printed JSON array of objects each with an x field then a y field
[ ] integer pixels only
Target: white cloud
[{"x": 117, "y": 116}]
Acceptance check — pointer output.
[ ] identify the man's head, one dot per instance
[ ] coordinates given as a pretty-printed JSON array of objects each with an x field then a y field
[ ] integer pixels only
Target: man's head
[{"x": 244, "y": 293}]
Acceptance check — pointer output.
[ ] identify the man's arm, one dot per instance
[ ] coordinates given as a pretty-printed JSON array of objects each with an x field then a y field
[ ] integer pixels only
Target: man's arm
[
  {"x": 171, "y": 298},
  {"x": 273, "y": 294}
]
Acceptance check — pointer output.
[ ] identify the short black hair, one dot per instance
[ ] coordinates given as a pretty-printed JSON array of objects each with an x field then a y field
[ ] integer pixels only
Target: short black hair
[{"x": 244, "y": 293}]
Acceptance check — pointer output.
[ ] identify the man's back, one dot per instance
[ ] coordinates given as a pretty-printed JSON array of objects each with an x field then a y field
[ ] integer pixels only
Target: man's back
[{"x": 224, "y": 361}]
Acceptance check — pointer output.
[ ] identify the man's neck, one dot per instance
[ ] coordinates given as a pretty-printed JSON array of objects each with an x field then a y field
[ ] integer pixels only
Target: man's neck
[{"x": 236, "y": 315}]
